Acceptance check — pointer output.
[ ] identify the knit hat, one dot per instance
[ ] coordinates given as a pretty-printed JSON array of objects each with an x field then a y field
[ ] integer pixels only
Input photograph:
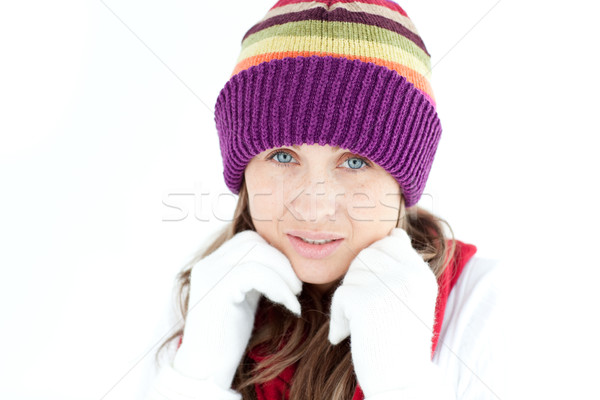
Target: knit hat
[{"x": 353, "y": 74}]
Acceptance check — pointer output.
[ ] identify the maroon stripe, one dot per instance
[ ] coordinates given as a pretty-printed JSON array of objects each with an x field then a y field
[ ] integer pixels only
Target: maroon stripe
[{"x": 339, "y": 15}]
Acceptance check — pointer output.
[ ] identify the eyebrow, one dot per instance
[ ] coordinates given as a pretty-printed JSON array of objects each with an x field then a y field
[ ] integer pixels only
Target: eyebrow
[{"x": 333, "y": 149}]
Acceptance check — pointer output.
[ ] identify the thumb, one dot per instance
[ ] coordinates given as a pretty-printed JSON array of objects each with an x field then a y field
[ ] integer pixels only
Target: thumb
[{"x": 339, "y": 325}]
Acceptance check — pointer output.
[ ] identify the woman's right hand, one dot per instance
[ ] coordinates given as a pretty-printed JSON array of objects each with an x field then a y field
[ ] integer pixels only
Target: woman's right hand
[{"x": 225, "y": 288}]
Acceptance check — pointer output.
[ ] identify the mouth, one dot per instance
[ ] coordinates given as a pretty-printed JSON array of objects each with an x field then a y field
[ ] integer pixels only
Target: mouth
[
  {"x": 314, "y": 248},
  {"x": 315, "y": 235}
]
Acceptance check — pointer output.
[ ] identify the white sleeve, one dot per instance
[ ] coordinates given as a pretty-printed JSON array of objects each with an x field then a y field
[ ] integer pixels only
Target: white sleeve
[
  {"x": 471, "y": 347},
  {"x": 170, "y": 384}
]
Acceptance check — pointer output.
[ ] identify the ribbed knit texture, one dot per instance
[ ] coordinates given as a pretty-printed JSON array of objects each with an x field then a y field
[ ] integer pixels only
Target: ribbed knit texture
[
  {"x": 372, "y": 31},
  {"x": 349, "y": 74}
]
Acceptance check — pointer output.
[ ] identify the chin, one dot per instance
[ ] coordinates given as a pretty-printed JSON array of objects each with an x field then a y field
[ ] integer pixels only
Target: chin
[
  {"x": 323, "y": 287},
  {"x": 314, "y": 277}
]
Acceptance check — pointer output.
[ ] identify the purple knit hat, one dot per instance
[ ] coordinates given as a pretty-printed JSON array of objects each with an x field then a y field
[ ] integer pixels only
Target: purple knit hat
[{"x": 349, "y": 74}]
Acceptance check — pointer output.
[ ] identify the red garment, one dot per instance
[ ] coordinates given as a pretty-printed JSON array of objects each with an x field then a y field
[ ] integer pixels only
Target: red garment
[{"x": 279, "y": 387}]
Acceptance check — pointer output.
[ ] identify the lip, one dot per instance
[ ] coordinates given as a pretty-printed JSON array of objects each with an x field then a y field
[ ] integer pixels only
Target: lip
[
  {"x": 314, "y": 251},
  {"x": 315, "y": 235}
]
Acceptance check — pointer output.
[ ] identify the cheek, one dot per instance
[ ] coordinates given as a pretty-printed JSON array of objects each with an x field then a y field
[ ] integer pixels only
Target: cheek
[
  {"x": 374, "y": 203},
  {"x": 389, "y": 204},
  {"x": 264, "y": 199},
  {"x": 263, "y": 205},
  {"x": 271, "y": 193}
]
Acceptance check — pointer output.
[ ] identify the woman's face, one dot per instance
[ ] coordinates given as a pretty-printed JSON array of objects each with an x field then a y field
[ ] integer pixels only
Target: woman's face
[{"x": 318, "y": 189}]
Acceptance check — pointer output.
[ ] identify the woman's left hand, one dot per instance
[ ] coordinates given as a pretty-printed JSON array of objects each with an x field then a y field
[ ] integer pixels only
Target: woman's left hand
[{"x": 386, "y": 303}]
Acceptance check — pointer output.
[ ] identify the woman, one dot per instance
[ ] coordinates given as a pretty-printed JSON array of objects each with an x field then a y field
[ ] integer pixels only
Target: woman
[{"x": 330, "y": 283}]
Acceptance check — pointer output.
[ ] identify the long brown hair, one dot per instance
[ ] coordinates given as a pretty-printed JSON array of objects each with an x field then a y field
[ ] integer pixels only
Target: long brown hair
[{"x": 323, "y": 371}]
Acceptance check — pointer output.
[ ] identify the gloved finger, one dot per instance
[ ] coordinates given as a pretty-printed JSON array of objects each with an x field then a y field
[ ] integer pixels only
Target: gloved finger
[
  {"x": 239, "y": 243},
  {"x": 397, "y": 244},
  {"x": 271, "y": 284},
  {"x": 339, "y": 322},
  {"x": 272, "y": 258},
  {"x": 399, "y": 232}
]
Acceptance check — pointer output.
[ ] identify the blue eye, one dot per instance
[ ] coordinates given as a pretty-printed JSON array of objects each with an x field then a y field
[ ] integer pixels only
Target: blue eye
[
  {"x": 358, "y": 164},
  {"x": 284, "y": 158}
]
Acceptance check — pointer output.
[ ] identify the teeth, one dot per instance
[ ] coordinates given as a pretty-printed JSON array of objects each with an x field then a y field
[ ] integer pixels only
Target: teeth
[{"x": 317, "y": 241}]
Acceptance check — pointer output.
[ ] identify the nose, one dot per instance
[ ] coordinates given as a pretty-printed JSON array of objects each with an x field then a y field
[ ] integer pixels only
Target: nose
[{"x": 316, "y": 198}]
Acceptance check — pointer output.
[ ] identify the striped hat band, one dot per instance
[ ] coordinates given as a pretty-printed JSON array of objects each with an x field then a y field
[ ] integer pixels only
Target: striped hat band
[{"x": 353, "y": 74}]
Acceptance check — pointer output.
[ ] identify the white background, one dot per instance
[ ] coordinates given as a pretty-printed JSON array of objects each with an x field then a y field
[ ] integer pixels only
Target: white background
[{"x": 106, "y": 114}]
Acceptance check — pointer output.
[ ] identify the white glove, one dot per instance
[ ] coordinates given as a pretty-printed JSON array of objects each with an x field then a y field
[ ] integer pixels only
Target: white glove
[
  {"x": 225, "y": 289},
  {"x": 386, "y": 302}
]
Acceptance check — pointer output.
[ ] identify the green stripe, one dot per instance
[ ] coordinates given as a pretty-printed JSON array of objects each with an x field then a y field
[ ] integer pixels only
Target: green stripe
[{"x": 340, "y": 30}]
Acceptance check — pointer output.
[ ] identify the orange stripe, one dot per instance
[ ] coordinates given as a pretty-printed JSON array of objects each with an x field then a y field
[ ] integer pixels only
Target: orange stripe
[{"x": 411, "y": 75}]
